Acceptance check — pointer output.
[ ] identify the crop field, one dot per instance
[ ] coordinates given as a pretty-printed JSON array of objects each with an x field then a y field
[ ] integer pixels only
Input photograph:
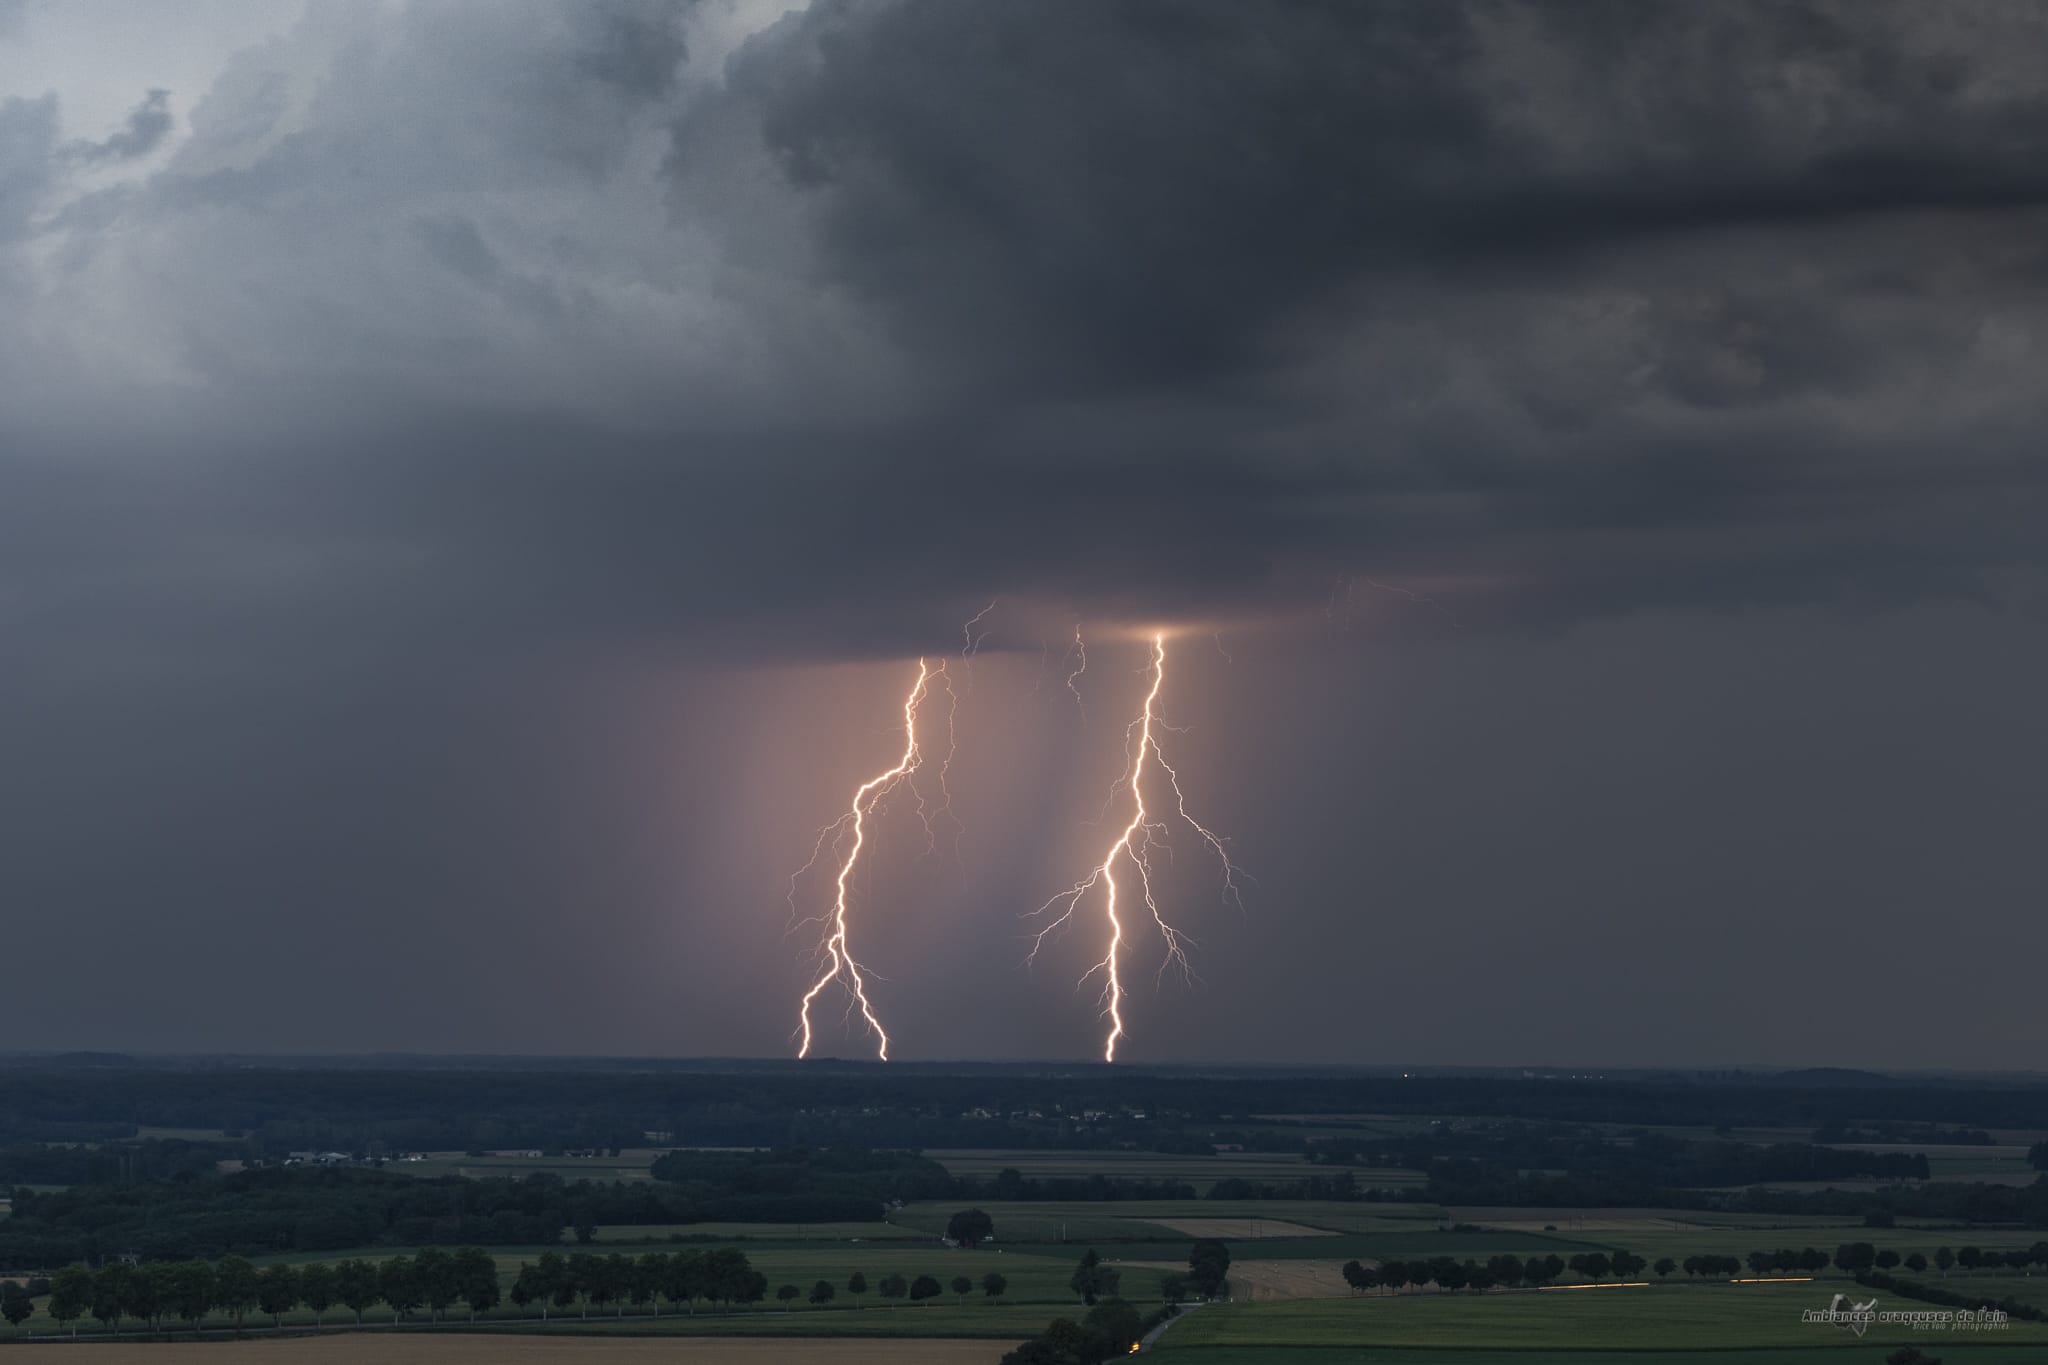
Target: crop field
[
  {"x": 1141, "y": 1220},
  {"x": 416, "y": 1349},
  {"x": 749, "y": 1235},
  {"x": 1651, "y": 1319},
  {"x": 632, "y": 1163},
  {"x": 1199, "y": 1171}
]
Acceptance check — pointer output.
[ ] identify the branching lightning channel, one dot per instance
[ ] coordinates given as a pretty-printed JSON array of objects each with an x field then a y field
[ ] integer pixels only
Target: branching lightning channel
[
  {"x": 845, "y": 837},
  {"x": 1135, "y": 842}
]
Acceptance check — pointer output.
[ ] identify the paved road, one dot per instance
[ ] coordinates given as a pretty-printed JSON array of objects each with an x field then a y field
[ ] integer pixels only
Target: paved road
[{"x": 1145, "y": 1342}]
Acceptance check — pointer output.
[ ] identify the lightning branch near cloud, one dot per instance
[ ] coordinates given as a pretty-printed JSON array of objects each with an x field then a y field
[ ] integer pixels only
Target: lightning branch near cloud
[
  {"x": 844, "y": 839},
  {"x": 1134, "y": 845}
]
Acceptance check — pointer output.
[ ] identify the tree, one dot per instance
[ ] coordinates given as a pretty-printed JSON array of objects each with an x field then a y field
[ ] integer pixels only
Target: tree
[
  {"x": 236, "y": 1288},
  {"x": 526, "y": 1290},
  {"x": 1916, "y": 1262},
  {"x": 1208, "y": 1267},
  {"x": 399, "y": 1285},
  {"x": 893, "y": 1287},
  {"x": 277, "y": 1292},
  {"x": 1855, "y": 1256},
  {"x": 1887, "y": 1258},
  {"x": 1093, "y": 1280},
  {"x": 822, "y": 1293},
  {"x": 1113, "y": 1328},
  {"x": 1665, "y": 1265},
  {"x": 789, "y": 1293},
  {"x": 476, "y": 1279},
  {"x": 962, "y": 1286},
  {"x": 1969, "y": 1258},
  {"x": 856, "y": 1285},
  {"x": 1626, "y": 1263},
  {"x": 355, "y": 1284},
  {"x": 1394, "y": 1274},
  {"x": 650, "y": 1273},
  {"x": 15, "y": 1304},
  {"x": 969, "y": 1226},
  {"x": 71, "y": 1295},
  {"x": 1944, "y": 1258},
  {"x": 111, "y": 1290},
  {"x": 435, "y": 1271},
  {"x": 925, "y": 1287},
  {"x": 194, "y": 1290},
  {"x": 149, "y": 1292},
  {"x": 993, "y": 1285},
  {"x": 316, "y": 1289},
  {"x": 682, "y": 1280}
]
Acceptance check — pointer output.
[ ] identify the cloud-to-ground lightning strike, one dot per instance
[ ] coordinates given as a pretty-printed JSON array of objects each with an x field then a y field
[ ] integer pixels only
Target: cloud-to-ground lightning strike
[
  {"x": 849, "y": 833},
  {"x": 1136, "y": 842}
]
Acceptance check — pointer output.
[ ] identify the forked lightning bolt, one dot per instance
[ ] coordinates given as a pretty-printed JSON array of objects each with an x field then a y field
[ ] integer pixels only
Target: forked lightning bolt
[
  {"x": 1135, "y": 842},
  {"x": 845, "y": 837}
]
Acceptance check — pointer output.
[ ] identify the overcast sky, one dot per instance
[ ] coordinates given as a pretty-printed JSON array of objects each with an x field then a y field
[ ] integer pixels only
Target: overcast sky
[{"x": 476, "y": 480}]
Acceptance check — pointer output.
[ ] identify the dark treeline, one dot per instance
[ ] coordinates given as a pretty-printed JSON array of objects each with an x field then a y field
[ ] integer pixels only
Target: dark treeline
[
  {"x": 842, "y": 1104},
  {"x": 151, "y": 1294},
  {"x": 1455, "y": 1152}
]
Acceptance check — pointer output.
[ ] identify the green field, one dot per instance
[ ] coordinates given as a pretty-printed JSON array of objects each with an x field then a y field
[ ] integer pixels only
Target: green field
[
  {"x": 632, "y": 1164},
  {"x": 750, "y": 1234},
  {"x": 1655, "y": 1319}
]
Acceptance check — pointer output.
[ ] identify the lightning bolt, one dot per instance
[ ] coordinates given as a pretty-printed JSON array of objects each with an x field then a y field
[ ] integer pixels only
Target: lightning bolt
[
  {"x": 1136, "y": 842},
  {"x": 845, "y": 837},
  {"x": 1077, "y": 653}
]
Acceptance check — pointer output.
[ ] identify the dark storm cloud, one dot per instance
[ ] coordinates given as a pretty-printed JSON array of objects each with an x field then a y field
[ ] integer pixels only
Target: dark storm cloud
[{"x": 438, "y": 349}]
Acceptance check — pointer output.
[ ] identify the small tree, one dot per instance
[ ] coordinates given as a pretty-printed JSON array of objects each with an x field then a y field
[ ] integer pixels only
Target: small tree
[
  {"x": 277, "y": 1292},
  {"x": 1208, "y": 1266},
  {"x": 15, "y": 1304},
  {"x": 476, "y": 1279},
  {"x": 111, "y": 1292},
  {"x": 1093, "y": 1280},
  {"x": 355, "y": 1284},
  {"x": 969, "y": 1226},
  {"x": 925, "y": 1287},
  {"x": 316, "y": 1289},
  {"x": 993, "y": 1285},
  {"x": 1944, "y": 1258},
  {"x": 194, "y": 1290},
  {"x": 962, "y": 1286},
  {"x": 893, "y": 1287},
  {"x": 71, "y": 1293},
  {"x": 789, "y": 1294},
  {"x": 1665, "y": 1265},
  {"x": 1886, "y": 1259},
  {"x": 399, "y": 1285},
  {"x": 856, "y": 1285},
  {"x": 822, "y": 1293},
  {"x": 1916, "y": 1262},
  {"x": 236, "y": 1288},
  {"x": 434, "y": 1269}
]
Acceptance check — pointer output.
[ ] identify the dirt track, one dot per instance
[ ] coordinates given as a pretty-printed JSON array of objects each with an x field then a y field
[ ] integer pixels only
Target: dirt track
[{"x": 403, "y": 1348}]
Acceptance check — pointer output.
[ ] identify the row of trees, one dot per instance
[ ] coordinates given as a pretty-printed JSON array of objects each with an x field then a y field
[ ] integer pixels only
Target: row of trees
[
  {"x": 155, "y": 1292},
  {"x": 1508, "y": 1271},
  {"x": 899, "y": 1287},
  {"x": 1451, "y": 1274}
]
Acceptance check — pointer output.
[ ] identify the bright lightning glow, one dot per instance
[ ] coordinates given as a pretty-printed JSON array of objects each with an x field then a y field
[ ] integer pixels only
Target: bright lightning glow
[
  {"x": 849, "y": 833},
  {"x": 1136, "y": 841}
]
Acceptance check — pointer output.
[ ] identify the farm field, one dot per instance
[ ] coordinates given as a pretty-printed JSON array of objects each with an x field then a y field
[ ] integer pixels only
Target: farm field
[
  {"x": 1199, "y": 1171},
  {"x": 1653, "y": 1319},
  {"x": 748, "y": 1234},
  {"x": 1139, "y": 1220},
  {"x": 417, "y": 1349},
  {"x": 632, "y": 1163}
]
